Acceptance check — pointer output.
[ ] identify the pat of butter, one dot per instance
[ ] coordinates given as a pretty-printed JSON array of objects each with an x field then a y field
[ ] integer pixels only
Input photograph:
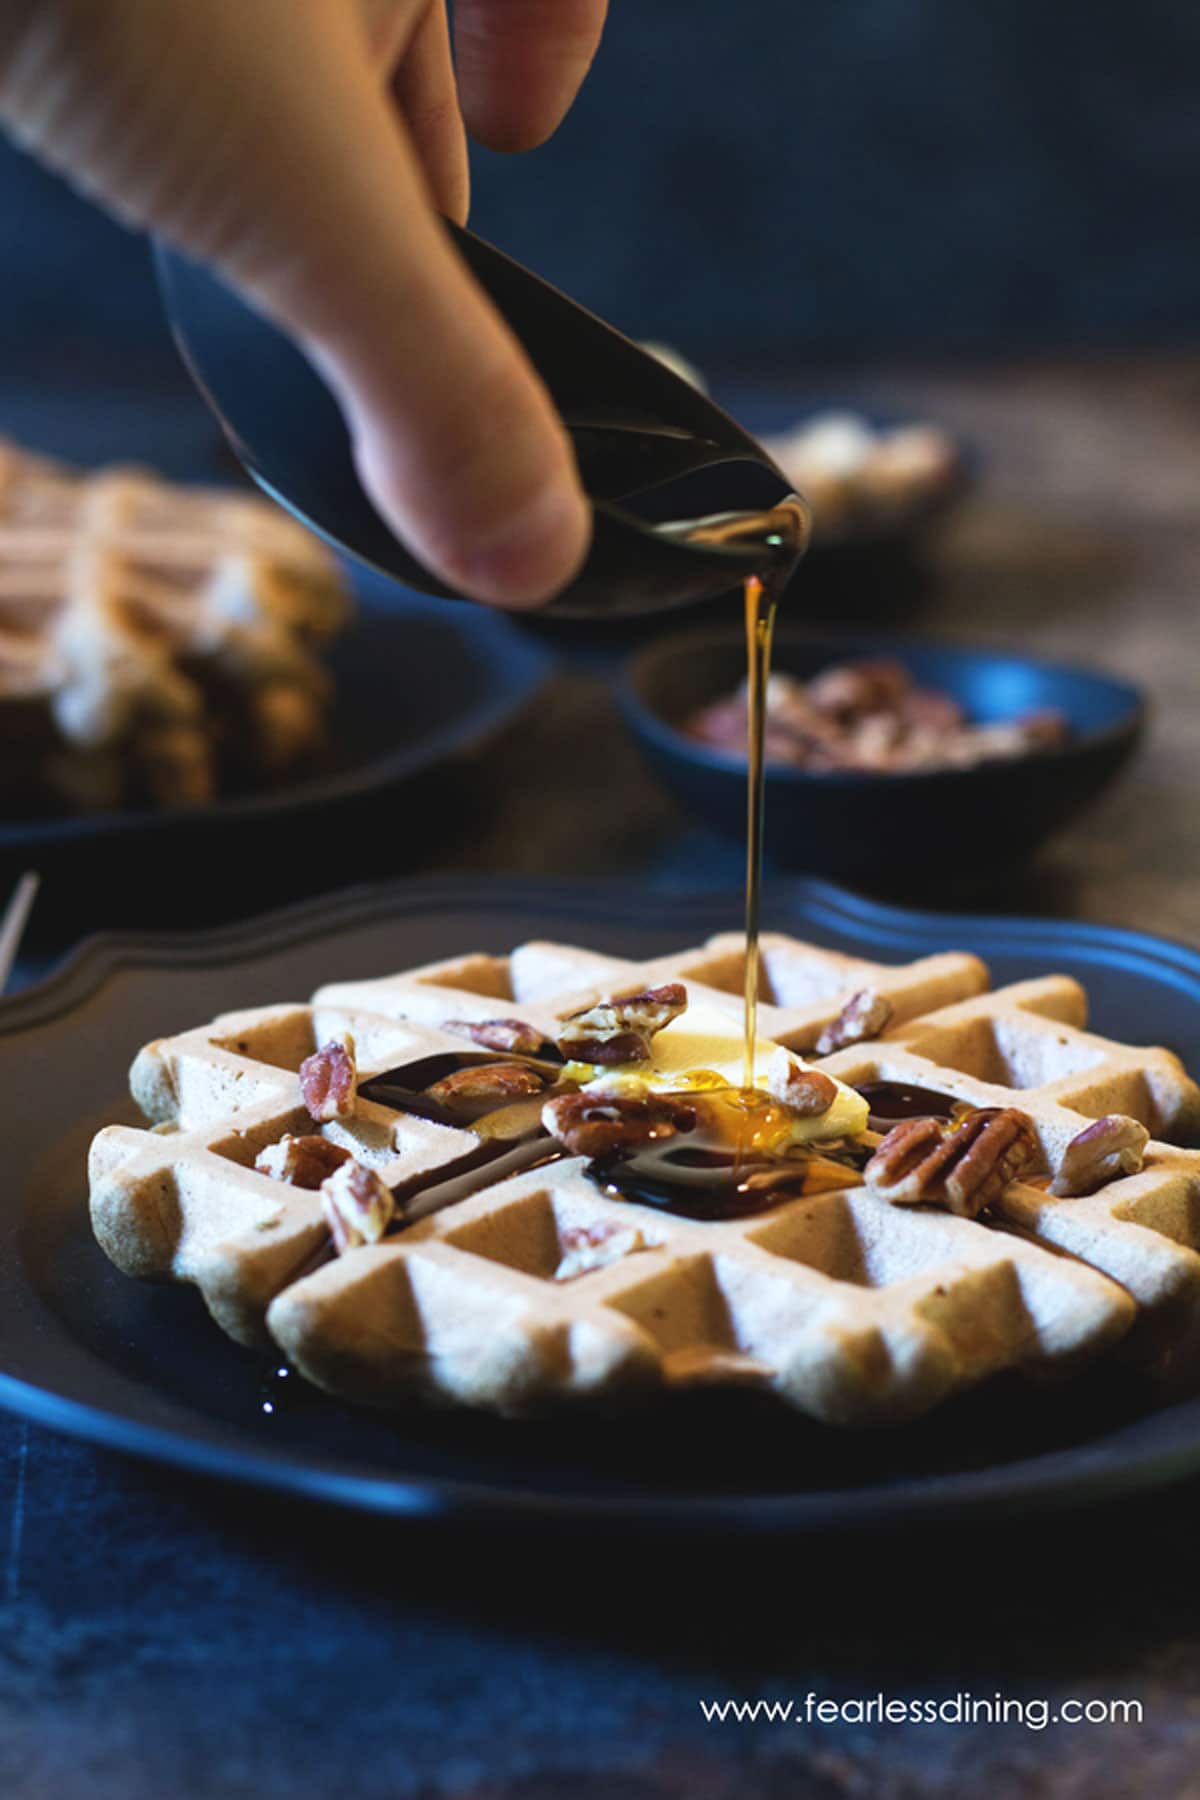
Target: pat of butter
[{"x": 706, "y": 1038}]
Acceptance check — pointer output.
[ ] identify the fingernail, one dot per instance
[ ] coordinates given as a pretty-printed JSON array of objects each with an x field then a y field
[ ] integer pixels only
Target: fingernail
[{"x": 535, "y": 555}]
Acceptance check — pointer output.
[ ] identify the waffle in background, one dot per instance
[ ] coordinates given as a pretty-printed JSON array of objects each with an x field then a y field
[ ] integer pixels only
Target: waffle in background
[{"x": 158, "y": 644}]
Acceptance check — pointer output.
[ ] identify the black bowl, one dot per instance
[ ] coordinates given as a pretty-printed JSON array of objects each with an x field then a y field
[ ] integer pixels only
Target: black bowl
[{"x": 893, "y": 831}]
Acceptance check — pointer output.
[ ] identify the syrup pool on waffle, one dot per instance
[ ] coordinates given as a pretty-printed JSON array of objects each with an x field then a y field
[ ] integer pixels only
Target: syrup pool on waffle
[{"x": 732, "y": 1150}]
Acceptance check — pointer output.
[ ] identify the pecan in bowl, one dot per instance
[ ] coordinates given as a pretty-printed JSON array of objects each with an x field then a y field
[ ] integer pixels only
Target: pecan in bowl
[{"x": 871, "y": 717}]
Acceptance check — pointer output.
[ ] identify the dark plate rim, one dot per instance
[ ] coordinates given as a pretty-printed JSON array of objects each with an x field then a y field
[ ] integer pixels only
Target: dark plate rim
[
  {"x": 523, "y": 664},
  {"x": 651, "y": 724},
  {"x": 1091, "y": 1472}
]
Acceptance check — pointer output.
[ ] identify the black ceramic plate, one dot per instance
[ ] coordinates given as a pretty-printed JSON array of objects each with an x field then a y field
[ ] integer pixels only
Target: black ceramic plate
[
  {"x": 420, "y": 684},
  {"x": 143, "y": 1369}
]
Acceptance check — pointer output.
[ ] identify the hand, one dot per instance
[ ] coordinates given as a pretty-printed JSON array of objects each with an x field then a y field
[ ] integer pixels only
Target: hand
[{"x": 306, "y": 147}]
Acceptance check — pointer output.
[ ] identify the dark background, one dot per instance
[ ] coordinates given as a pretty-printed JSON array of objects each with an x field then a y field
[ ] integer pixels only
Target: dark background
[
  {"x": 790, "y": 178},
  {"x": 999, "y": 185}
]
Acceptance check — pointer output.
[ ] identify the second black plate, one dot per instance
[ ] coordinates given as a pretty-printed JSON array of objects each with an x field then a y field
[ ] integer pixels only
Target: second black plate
[{"x": 419, "y": 684}]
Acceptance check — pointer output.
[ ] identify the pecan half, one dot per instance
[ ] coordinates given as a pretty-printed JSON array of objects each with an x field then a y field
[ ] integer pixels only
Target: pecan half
[
  {"x": 329, "y": 1080},
  {"x": 852, "y": 689},
  {"x": 620, "y": 1029},
  {"x": 600, "y": 1124},
  {"x": 358, "y": 1206},
  {"x": 511, "y": 1035},
  {"x": 1102, "y": 1152},
  {"x": 961, "y": 1167},
  {"x": 583, "y": 1248},
  {"x": 303, "y": 1162},
  {"x": 864, "y": 1016},
  {"x": 806, "y": 1091},
  {"x": 469, "y": 1093}
]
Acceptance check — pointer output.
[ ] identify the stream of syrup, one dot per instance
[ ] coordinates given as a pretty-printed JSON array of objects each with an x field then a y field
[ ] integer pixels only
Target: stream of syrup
[
  {"x": 760, "y": 631},
  {"x": 740, "y": 1157},
  {"x": 783, "y": 531},
  {"x": 786, "y": 527}
]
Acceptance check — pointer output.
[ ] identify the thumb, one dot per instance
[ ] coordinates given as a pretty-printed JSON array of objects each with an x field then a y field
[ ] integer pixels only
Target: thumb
[{"x": 261, "y": 139}]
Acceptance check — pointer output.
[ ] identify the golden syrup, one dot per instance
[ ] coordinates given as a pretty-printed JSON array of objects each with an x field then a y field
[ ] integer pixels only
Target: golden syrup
[
  {"x": 738, "y": 1158},
  {"x": 751, "y": 1123},
  {"x": 699, "y": 1080},
  {"x": 760, "y": 631},
  {"x": 783, "y": 532},
  {"x": 743, "y": 1158}
]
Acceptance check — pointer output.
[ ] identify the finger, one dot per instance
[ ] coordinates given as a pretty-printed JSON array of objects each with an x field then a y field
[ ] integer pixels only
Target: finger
[
  {"x": 425, "y": 90},
  {"x": 388, "y": 25},
  {"x": 308, "y": 195},
  {"x": 455, "y": 438},
  {"x": 520, "y": 65}
]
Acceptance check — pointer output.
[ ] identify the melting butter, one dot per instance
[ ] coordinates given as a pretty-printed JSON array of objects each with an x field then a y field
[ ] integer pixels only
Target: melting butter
[{"x": 704, "y": 1049}]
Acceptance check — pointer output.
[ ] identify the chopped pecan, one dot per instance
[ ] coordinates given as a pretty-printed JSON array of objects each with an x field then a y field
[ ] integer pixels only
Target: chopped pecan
[
  {"x": 1046, "y": 729},
  {"x": 329, "y": 1080},
  {"x": 864, "y": 1016},
  {"x": 870, "y": 716},
  {"x": 358, "y": 1206},
  {"x": 1108, "y": 1148},
  {"x": 511, "y": 1035},
  {"x": 600, "y": 1124},
  {"x": 619, "y": 1030},
  {"x": 960, "y": 1167},
  {"x": 851, "y": 689},
  {"x": 303, "y": 1162},
  {"x": 586, "y": 1247},
  {"x": 482, "y": 1087},
  {"x": 806, "y": 1091}
]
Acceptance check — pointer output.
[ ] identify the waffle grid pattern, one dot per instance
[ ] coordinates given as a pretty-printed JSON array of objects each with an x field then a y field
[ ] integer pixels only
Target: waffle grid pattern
[
  {"x": 129, "y": 606},
  {"x": 854, "y": 1311}
]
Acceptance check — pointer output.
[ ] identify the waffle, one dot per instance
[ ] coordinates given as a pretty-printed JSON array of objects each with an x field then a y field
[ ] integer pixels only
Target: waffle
[
  {"x": 539, "y": 1286},
  {"x": 156, "y": 642}
]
